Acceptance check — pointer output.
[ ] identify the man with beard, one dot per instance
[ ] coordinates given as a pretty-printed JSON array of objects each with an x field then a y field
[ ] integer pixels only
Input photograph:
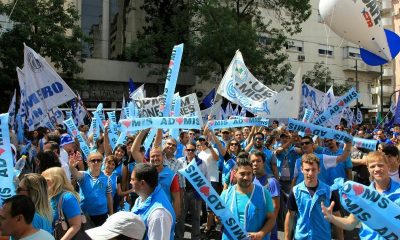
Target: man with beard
[
  {"x": 305, "y": 201},
  {"x": 250, "y": 203},
  {"x": 270, "y": 159}
]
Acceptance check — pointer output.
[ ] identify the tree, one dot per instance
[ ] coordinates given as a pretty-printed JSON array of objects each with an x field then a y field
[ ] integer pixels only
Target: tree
[
  {"x": 50, "y": 27},
  {"x": 213, "y": 30},
  {"x": 320, "y": 78}
]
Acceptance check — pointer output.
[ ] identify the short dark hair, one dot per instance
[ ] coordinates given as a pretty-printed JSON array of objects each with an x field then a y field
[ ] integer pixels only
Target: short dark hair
[
  {"x": 148, "y": 173},
  {"x": 309, "y": 138},
  {"x": 258, "y": 133},
  {"x": 53, "y": 146},
  {"x": 243, "y": 162},
  {"x": 276, "y": 122},
  {"x": 391, "y": 150},
  {"x": 258, "y": 154},
  {"x": 54, "y": 137},
  {"x": 47, "y": 160},
  {"x": 21, "y": 205}
]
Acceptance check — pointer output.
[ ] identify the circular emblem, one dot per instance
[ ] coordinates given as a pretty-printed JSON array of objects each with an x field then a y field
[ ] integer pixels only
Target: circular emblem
[
  {"x": 34, "y": 63},
  {"x": 230, "y": 90}
]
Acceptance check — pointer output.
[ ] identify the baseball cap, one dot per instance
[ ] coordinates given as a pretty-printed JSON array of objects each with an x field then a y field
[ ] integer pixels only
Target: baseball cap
[
  {"x": 120, "y": 223},
  {"x": 225, "y": 130},
  {"x": 66, "y": 139}
]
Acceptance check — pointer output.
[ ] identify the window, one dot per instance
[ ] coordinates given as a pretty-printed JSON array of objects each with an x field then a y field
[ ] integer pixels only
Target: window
[
  {"x": 325, "y": 50},
  {"x": 351, "y": 52},
  {"x": 265, "y": 40},
  {"x": 295, "y": 45}
]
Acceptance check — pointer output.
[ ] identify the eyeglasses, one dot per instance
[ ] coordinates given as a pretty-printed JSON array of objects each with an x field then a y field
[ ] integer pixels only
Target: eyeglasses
[
  {"x": 259, "y": 139},
  {"x": 225, "y": 132},
  {"x": 171, "y": 144},
  {"x": 305, "y": 143},
  {"x": 201, "y": 139},
  {"x": 234, "y": 144},
  {"x": 96, "y": 160},
  {"x": 20, "y": 189},
  {"x": 191, "y": 150}
]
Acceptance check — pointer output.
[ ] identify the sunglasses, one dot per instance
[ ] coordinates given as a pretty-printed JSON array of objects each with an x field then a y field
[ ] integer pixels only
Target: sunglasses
[
  {"x": 191, "y": 150},
  {"x": 225, "y": 132},
  {"x": 305, "y": 143},
  {"x": 20, "y": 189},
  {"x": 259, "y": 139},
  {"x": 96, "y": 160},
  {"x": 234, "y": 144},
  {"x": 201, "y": 139}
]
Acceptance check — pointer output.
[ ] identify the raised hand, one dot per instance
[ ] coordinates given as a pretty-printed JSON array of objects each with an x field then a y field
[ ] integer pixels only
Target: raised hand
[{"x": 327, "y": 211}]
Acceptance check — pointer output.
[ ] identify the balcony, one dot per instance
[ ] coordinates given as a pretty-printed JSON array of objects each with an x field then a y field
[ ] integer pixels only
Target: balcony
[
  {"x": 349, "y": 64},
  {"x": 387, "y": 90},
  {"x": 387, "y": 22},
  {"x": 386, "y": 5},
  {"x": 387, "y": 73}
]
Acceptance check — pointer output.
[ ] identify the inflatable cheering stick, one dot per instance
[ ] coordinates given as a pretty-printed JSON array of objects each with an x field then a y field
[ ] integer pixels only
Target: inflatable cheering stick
[{"x": 376, "y": 211}]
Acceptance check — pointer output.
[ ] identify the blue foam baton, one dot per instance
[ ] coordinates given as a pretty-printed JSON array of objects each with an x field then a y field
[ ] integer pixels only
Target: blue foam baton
[
  {"x": 73, "y": 130},
  {"x": 237, "y": 122},
  {"x": 7, "y": 188},
  {"x": 199, "y": 182},
  {"x": 160, "y": 122},
  {"x": 339, "y": 105},
  {"x": 376, "y": 211},
  {"x": 177, "y": 108},
  {"x": 170, "y": 81},
  {"x": 369, "y": 144},
  {"x": 322, "y": 132}
]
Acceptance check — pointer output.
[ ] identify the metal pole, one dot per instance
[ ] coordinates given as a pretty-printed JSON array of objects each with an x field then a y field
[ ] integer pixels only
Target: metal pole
[
  {"x": 381, "y": 90},
  {"x": 356, "y": 83}
]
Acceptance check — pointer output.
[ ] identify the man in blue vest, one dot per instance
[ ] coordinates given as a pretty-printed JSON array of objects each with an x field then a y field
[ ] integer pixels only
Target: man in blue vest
[
  {"x": 152, "y": 205},
  {"x": 304, "y": 204},
  {"x": 250, "y": 203}
]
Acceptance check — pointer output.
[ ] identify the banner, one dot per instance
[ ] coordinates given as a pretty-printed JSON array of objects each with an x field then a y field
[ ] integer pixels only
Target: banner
[
  {"x": 308, "y": 115},
  {"x": 369, "y": 144},
  {"x": 340, "y": 104},
  {"x": 329, "y": 100},
  {"x": 240, "y": 86},
  {"x": 359, "y": 116},
  {"x": 73, "y": 130},
  {"x": 208, "y": 100},
  {"x": 170, "y": 81},
  {"x": 160, "y": 122},
  {"x": 286, "y": 103},
  {"x": 199, "y": 182},
  {"x": 313, "y": 99},
  {"x": 7, "y": 188},
  {"x": 22, "y": 111},
  {"x": 237, "y": 122},
  {"x": 376, "y": 211},
  {"x": 150, "y": 107},
  {"x": 94, "y": 129},
  {"x": 44, "y": 88},
  {"x": 12, "y": 109},
  {"x": 322, "y": 132},
  {"x": 80, "y": 111}
]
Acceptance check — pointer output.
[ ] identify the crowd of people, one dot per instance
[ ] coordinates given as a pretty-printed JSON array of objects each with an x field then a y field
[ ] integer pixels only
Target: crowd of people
[{"x": 271, "y": 179}]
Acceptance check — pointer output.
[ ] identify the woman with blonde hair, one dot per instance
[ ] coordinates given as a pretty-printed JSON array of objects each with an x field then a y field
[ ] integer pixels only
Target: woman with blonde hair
[
  {"x": 34, "y": 186},
  {"x": 60, "y": 186}
]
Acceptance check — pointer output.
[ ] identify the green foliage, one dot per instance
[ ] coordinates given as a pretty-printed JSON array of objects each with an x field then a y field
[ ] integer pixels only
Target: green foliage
[
  {"x": 213, "y": 30},
  {"x": 50, "y": 27},
  {"x": 320, "y": 78}
]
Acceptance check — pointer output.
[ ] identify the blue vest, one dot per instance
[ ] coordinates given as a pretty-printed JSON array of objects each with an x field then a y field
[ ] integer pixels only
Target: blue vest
[
  {"x": 255, "y": 212},
  {"x": 165, "y": 178},
  {"x": 93, "y": 195},
  {"x": 157, "y": 199},
  {"x": 310, "y": 220}
]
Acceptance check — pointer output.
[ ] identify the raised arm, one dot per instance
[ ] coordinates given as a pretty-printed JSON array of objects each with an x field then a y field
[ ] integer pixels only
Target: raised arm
[
  {"x": 158, "y": 139},
  {"x": 221, "y": 149},
  {"x": 73, "y": 161},
  {"x": 348, "y": 223},
  {"x": 346, "y": 152},
  {"x": 107, "y": 146},
  {"x": 135, "y": 149}
]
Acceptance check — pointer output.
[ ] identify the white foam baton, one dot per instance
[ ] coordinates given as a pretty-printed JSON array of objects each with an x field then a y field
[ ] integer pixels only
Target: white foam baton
[
  {"x": 7, "y": 188},
  {"x": 369, "y": 144},
  {"x": 199, "y": 182},
  {"x": 376, "y": 211},
  {"x": 322, "y": 132},
  {"x": 75, "y": 134},
  {"x": 237, "y": 122}
]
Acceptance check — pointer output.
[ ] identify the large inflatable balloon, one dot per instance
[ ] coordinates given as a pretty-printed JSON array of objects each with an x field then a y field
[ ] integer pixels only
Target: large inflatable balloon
[
  {"x": 359, "y": 21},
  {"x": 378, "y": 212}
]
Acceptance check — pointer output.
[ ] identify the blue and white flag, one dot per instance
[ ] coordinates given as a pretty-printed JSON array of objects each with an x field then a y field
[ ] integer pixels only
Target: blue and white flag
[
  {"x": 80, "y": 112},
  {"x": 139, "y": 93},
  {"x": 329, "y": 100},
  {"x": 208, "y": 100},
  {"x": 213, "y": 111},
  {"x": 240, "y": 86},
  {"x": 22, "y": 110},
  {"x": 6, "y": 161},
  {"x": 12, "y": 109},
  {"x": 359, "y": 116},
  {"x": 313, "y": 98},
  {"x": 44, "y": 88},
  {"x": 335, "y": 109},
  {"x": 200, "y": 183},
  {"x": 56, "y": 116},
  {"x": 397, "y": 113},
  {"x": 132, "y": 87},
  {"x": 170, "y": 81}
]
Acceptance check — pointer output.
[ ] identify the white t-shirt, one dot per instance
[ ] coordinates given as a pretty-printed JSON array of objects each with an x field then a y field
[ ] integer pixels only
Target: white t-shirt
[
  {"x": 39, "y": 235},
  {"x": 64, "y": 163},
  {"x": 395, "y": 176},
  {"x": 159, "y": 224},
  {"x": 212, "y": 165}
]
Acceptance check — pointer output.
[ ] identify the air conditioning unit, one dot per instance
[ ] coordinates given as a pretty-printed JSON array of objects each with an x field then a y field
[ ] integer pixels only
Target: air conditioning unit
[{"x": 301, "y": 58}]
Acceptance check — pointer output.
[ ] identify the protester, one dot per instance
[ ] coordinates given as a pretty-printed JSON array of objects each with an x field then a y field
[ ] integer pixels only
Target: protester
[
  {"x": 47, "y": 160},
  {"x": 152, "y": 205},
  {"x": 34, "y": 186},
  {"x": 381, "y": 137},
  {"x": 392, "y": 155},
  {"x": 61, "y": 188},
  {"x": 16, "y": 218},
  {"x": 250, "y": 203},
  {"x": 94, "y": 188},
  {"x": 378, "y": 167},
  {"x": 121, "y": 225},
  {"x": 305, "y": 218}
]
